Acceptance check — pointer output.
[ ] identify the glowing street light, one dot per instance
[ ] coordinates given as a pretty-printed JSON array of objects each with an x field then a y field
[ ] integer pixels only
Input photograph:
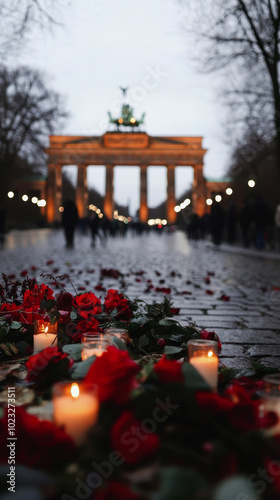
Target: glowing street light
[
  {"x": 11, "y": 194},
  {"x": 61, "y": 209},
  {"x": 251, "y": 183},
  {"x": 24, "y": 197},
  {"x": 41, "y": 203},
  {"x": 218, "y": 198},
  {"x": 229, "y": 191},
  {"x": 177, "y": 209},
  {"x": 34, "y": 199},
  {"x": 209, "y": 201}
]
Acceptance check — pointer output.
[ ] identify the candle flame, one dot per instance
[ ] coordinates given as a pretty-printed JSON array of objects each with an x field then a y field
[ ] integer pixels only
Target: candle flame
[
  {"x": 46, "y": 329},
  {"x": 210, "y": 354},
  {"x": 75, "y": 390}
]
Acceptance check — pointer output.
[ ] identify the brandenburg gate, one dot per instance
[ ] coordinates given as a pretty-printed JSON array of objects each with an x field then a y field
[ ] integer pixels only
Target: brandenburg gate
[{"x": 123, "y": 148}]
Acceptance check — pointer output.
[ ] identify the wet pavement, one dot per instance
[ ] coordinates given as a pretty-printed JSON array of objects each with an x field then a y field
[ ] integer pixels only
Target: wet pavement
[{"x": 233, "y": 291}]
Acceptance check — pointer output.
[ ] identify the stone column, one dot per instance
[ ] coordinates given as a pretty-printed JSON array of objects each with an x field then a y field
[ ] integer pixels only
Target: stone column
[
  {"x": 109, "y": 193},
  {"x": 170, "y": 203},
  {"x": 82, "y": 191},
  {"x": 54, "y": 193},
  {"x": 143, "y": 211},
  {"x": 199, "y": 191}
]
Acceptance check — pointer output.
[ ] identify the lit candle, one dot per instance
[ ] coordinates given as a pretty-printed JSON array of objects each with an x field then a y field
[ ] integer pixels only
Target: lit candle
[
  {"x": 203, "y": 356},
  {"x": 270, "y": 395},
  {"x": 119, "y": 333},
  {"x": 45, "y": 335},
  {"x": 75, "y": 407},
  {"x": 93, "y": 345}
]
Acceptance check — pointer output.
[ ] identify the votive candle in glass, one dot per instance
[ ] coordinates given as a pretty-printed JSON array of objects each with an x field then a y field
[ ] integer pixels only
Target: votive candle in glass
[
  {"x": 93, "y": 345},
  {"x": 45, "y": 335},
  {"x": 270, "y": 396},
  {"x": 203, "y": 356},
  {"x": 75, "y": 408},
  {"x": 119, "y": 333}
]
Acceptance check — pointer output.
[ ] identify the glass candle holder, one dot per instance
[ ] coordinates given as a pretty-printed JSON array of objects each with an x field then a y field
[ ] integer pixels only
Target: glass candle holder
[
  {"x": 93, "y": 345},
  {"x": 45, "y": 335},
  {"x": 270, "y": 397},
  {"x": 203, "y": 355},
  {"x": 75, "y": 408},
  {"x": 119, "y": 333}
]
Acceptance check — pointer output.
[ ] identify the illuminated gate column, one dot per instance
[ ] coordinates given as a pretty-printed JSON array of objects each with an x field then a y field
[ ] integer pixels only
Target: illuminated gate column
[
  {"x": 170, "y": 203},
  {"x": 82, "y": 191},
  {"x": 109, "y": 193},
  {"x": 199, "y": 190},
  {"x": 143, "y": 212},
  {"x": 54, "y": 193}
]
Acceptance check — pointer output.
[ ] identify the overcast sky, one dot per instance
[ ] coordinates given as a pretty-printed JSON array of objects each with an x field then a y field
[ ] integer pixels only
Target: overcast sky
[{"x": 104, "y": 44}]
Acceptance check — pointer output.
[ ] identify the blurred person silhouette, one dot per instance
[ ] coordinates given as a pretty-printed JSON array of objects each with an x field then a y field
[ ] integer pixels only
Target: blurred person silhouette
[
  {"x": 231, "y": 222},
  {"x": 217, "y": 221},
  {"x": 2, "y": 225},
  {"x": 277, "y": 225},
  {"x": 69, "y": 221},
  {"x": 260, "y": 219},
  {"x": 245, "y": 221},
  {"x": 94, "y": 224}
]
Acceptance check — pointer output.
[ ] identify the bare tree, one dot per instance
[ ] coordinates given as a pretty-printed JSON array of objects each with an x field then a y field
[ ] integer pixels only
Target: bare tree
[
  {"x": 29, "y": 112},
  {"x": 20, "y": 18},
  {"x": 245, "y": 35}
]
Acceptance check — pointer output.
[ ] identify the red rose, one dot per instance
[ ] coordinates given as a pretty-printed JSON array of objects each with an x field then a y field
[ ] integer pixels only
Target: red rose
[
  {"x": 211, "y": 336},
  {"x": 11, "y": 309},
  {"x": 64, "y": 301},
  {"x": 169, "y": 371},
  {"x": 130, "y": 437},
  {"x": 116, "y": 491},
  {"x": 87, "y": 304},
  {"x": 48, "y": 365},
  {"x": 29, "y": 315},
  {"x": 32, "y": 298},
  {"x": 116, "y": 300},
  {"x": 212, "y": 404},
  {"x": 40, "y": 443},
  {"x": 114, "y": 374}
]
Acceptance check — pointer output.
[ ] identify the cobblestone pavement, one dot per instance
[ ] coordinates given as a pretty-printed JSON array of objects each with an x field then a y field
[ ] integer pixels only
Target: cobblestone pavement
[{"x": 196, "y": 275}]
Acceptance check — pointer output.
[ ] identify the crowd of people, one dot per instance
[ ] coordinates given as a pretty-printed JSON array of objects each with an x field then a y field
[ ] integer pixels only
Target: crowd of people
[{"x": 253, "y": 224}]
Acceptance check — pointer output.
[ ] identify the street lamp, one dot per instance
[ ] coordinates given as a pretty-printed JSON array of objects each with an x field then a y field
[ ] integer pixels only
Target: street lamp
[
  {"x": 11, "y": 194},
  {"x": 209, "y": 201},
  {"x": 229, "y": 191},
  {"x": 218, "y": 198},
  {"x": 251, "y": 183}
]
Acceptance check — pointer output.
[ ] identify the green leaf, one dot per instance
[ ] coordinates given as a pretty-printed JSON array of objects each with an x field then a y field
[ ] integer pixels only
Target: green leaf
[
  {"x": 119, "y": 343},
  {"x": 73, "y": 315},
  {"x": 167, "y": 322},
  {"x": 81, "y": 369},
  {"x": 47, "y": 304},
  {"x": 143, "y": 341},
  {"x": 235, "y": 488},
  {"x": 15, "y": 325},
  {"x": 193, "y": 379},
  {"x": 170, "y": 349},
  {"x": 74, "y": 351},
  {"x": 179, "y": 483}
]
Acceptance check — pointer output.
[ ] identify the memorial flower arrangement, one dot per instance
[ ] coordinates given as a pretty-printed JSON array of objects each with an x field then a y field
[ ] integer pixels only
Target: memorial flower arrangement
[{"x": 161, "y": 432}]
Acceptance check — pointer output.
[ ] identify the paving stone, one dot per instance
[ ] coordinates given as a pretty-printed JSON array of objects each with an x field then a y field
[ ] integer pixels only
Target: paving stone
[
  {"x": 231, "y": 351},
  {"x": 264, "y": 350},
  {"x": 237, "y": 363},
  {"x": 239, "y": 336}
]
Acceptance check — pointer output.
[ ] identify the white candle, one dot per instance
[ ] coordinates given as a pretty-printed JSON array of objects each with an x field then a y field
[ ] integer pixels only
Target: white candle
[
  {"x": 207, "y": 366},
  {"x": 75, "y": 409},
  {"x": 43, "y": 340},
  {"x": 45, "y": 335},
  {"x": 87, "y": 352}
]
